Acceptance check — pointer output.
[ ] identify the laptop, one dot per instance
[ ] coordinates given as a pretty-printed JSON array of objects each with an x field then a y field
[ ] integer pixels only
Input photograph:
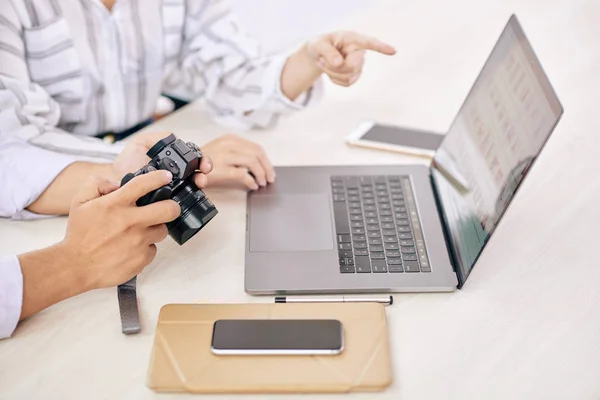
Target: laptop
[{"x": 407, "y": 228}]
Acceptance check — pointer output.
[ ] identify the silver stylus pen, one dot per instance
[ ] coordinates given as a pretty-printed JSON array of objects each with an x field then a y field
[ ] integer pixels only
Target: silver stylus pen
[{"x": 387, "y": 299}]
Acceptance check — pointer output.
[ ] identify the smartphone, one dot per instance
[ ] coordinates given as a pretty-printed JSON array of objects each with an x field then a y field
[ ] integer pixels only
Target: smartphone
[
  {"x": 395, "y": 138},
  {"x": 277, "y": 337}
]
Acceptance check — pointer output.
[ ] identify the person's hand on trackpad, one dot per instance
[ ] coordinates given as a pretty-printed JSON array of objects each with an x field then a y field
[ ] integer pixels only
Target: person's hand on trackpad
[{"x": 238, "y": 162}]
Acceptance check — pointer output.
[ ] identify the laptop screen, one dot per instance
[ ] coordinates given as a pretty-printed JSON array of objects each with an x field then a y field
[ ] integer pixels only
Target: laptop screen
[{"x": 498, "y": 133}]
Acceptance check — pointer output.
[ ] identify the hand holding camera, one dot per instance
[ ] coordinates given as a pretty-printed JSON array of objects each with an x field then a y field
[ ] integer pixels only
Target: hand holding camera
[{"x": 182, "y": 160}]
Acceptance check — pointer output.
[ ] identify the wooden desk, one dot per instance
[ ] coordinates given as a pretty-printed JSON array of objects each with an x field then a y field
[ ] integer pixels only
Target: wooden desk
[{"x": 527, "y": 324}]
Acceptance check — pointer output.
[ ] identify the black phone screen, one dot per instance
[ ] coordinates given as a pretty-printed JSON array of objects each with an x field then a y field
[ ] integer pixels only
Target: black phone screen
[
  {"x": 277, "y": 335},
  {"x": 403, "y": 137}
]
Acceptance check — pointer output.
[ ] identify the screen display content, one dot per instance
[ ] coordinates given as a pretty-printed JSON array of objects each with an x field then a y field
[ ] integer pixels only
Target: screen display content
[{"x": 499, "y": 131}]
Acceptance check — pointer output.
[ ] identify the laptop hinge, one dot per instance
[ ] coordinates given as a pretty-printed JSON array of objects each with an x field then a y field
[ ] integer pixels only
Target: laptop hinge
[{"x": 445, "y": 229}]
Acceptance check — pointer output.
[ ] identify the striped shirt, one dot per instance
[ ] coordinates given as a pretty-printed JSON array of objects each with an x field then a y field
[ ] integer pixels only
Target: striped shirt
[{"x": 72, "y": 69}]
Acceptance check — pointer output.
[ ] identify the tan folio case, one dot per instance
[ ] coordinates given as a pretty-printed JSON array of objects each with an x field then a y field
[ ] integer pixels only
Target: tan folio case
[{"x": 182, "y": 360}]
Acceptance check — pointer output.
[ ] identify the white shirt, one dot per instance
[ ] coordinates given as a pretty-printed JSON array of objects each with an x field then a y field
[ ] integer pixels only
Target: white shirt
[
  {"x": 70, "y": 69},
  {"x": 11, "y": 295}
]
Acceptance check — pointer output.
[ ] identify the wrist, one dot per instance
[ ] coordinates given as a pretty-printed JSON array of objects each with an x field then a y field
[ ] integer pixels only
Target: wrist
[
  {"x": 299, "y": 73},
  {"x": 67, "y": 258}
]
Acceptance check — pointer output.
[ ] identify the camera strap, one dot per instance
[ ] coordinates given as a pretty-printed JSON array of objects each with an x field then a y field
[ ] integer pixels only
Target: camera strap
[{"x": 130, "y": 317}]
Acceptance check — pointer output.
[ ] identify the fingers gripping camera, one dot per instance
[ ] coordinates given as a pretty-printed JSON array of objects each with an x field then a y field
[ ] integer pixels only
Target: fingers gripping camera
[{"x": 182, "y": 160}]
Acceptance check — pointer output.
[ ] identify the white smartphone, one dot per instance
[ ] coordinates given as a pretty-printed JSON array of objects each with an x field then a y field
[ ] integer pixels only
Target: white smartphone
[
  {"x": 395, "y": 138},
  {"x": 277, "y": 337}
]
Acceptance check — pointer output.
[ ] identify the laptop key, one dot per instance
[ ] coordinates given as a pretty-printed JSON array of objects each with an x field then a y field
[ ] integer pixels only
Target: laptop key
[
  {"x": 375, "y": 247},
  {"x": 345, "y": 254},
  {"x": 402, "y": 222},
  {"x": 403, "y": 229},
  {"x": 374, "y": 234},
  {"x": 368, "y": 195},
  {"x": 377, "y": 256},
  {"x": 385, "y": 212},
  {"x": 370, "y": 207},
  {"x": 354, "y": 198},
  {"x": 409, "y": 257},
  {"x": 362, "y": 264},
  {"x": 397, "y": 196},
  {"x": 344, "y": 246},
  {"x": 392, "y": 246},
  {"x": 375, "y": 241},
  {"x": 370, "y": 214},
  {"x": 395, "y": 268},
  {"x": 356, "y": 218},
  {"x": 407, "y": 243},
  {"x": 411, "y": 266},
  {"x": 369, "y": 201},
  {"x": 394, "y": 261},
  {"x": 360, "y": 245},
  {"x": 386, "y": 219},
  {"x": 373, "y": 227},
  {"x": 359, "y": 238},
  {"x": 405, "y": 235},
  {"x": 358, "y": 231},
  {"x": 392, "y": 253},
  {"x": 349, "y": 261},
  {"x": 340, "y": 212},
  {"x": 390, "y": 239},
  {"x": 351, "y": 182},
  {"x": 384, "y": 206},
  {"x": 372, "y": 221},
  {"x": 402, "y": 215},
  {"x": 354, "y": 204},
  {"x": 361, "y": 252},
  {"x": 338, "y": 190},
  {"x": 389, "y": 232},
  {"x": 339, "y": 197},
  {"x": 378, "y": 266},
  {"x": 398, "y": 202},
  {"x": 343, "y": 238},
  {"x": 387, "y": 225},
  {"x": 406, "y": 249},
  {"x": 347, "y": 269},
  {"x": 357, "y": 224}
]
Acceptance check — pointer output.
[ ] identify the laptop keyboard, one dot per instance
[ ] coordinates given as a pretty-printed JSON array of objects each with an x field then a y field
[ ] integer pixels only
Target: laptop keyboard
[{"x": 377, "y": 225}]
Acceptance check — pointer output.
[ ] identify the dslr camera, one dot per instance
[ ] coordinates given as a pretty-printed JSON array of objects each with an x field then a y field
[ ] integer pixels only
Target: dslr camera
[{"x": 182, "y": 160}]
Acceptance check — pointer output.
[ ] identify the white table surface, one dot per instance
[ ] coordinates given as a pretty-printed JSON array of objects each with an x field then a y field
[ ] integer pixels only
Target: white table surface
[{"x": 527, "y": 323}]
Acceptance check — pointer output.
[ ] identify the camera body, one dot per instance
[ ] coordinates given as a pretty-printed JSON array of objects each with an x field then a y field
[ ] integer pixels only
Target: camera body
[{"x": 182, "y": 160}]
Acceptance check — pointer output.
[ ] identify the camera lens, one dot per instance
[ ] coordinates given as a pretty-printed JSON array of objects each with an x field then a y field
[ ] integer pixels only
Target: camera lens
[{"x": 196, "y": 211}]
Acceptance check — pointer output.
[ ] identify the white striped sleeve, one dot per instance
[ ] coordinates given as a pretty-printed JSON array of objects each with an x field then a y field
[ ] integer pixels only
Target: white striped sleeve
[
  {"x": 11, "y": 295},
  {"x": 223, "y": 64},
  {"x": 33, "y": 151}
]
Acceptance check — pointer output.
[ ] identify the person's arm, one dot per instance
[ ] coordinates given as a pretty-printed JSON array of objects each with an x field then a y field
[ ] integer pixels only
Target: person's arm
[
  {"x": 35, "y": 154},
  {"x": 109, "y": 240},
  {"x": 219, "y": 62}
]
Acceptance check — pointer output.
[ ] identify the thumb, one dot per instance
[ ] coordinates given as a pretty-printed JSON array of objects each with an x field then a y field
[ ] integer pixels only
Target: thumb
[{"x": 93, "y": 188}]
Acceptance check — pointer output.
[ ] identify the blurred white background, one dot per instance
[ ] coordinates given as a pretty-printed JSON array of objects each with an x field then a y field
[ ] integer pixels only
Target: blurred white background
[{"x": 278, "y": 24}]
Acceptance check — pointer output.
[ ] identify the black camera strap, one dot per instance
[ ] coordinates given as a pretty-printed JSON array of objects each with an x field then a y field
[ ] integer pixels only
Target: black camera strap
[{"x": 130, "y": 317}]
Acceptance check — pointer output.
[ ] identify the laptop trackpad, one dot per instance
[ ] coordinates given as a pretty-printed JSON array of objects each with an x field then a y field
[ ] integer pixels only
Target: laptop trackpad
[{"x": 294, "y": 222}]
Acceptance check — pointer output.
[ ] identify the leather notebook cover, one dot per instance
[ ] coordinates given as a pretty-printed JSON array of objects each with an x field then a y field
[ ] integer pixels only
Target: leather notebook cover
[{"x": 182, "y": 360}]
